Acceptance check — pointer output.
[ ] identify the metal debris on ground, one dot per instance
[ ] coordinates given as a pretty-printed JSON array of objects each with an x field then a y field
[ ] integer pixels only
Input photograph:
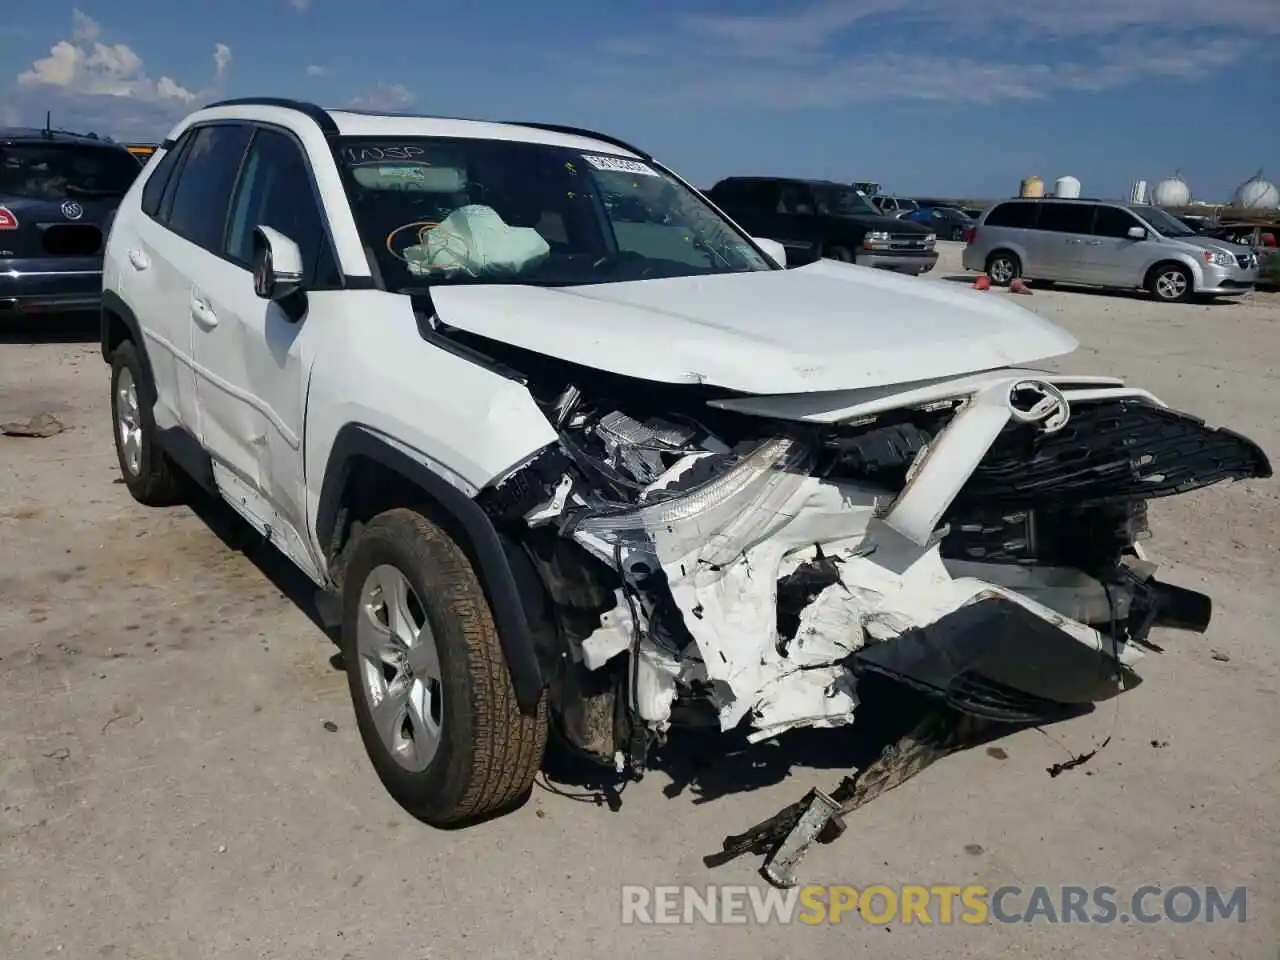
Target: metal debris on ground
[
  {"x": 1060, "y": 768},
  {"x": 40, "y": 426},
  {"x": 786, "y": 836}
]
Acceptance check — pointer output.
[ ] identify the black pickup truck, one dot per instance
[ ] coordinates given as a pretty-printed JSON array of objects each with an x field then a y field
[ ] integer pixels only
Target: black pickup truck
[{"x": 821, "y": 218}]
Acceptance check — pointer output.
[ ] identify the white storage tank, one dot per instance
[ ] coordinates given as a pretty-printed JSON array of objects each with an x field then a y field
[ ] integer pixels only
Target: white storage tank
[
  {"x": 1171, "y": 192},
  {"x": 1138, "y": 192},
  {"x": 1068, "y": 188},
  {"x": 1256, "y": 194}
]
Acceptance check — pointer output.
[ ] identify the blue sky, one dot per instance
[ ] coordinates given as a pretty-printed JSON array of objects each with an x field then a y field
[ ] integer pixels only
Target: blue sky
[{"x": 950, "y": 97}]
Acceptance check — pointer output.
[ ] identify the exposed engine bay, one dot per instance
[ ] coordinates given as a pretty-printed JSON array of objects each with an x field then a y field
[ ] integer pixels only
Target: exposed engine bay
[{"x": 720, "y": 559}]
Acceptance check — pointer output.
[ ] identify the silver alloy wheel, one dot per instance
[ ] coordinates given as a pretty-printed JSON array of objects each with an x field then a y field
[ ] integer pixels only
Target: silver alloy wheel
[
  {"x": 129, "y": 422},
  {"x": 1001, "y": 271},
  {"x": 1171, "y": 284},
  {"x": 400, "y": 667}
]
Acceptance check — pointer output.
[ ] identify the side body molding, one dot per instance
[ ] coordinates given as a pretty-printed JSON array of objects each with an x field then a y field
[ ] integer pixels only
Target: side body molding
[{"x": 483, "y": 545}]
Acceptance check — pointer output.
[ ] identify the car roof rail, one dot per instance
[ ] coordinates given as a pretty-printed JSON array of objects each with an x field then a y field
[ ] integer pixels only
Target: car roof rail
[
  {"x": 315, "y": 113},
  {"x": 581, "y": 132}
]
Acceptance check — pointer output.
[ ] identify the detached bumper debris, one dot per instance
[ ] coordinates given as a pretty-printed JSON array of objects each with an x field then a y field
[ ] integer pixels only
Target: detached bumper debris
[{"x": 786, "y": 837}]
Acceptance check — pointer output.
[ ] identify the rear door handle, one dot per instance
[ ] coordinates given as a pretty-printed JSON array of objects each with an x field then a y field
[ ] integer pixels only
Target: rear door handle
[
  {"x": 202, "y": 313},
  {"x": 139, "y": 259}
]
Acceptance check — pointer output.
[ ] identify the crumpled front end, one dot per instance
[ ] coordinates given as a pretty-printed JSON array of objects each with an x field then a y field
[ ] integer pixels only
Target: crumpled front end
[{"x": 747, "y": 559}]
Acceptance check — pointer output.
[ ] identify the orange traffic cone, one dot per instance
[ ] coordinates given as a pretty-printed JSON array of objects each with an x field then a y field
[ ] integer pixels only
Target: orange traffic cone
[
  {"x": 1017, "y": 286},
  {"x": 982, "y": 282}
]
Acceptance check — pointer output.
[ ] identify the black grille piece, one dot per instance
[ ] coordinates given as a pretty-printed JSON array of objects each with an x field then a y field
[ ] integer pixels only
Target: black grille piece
[{"x": 1109, "y": 451}]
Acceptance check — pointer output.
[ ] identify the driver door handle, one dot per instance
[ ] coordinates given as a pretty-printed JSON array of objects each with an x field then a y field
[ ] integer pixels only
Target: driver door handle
[{"x": 202, "y": 313}]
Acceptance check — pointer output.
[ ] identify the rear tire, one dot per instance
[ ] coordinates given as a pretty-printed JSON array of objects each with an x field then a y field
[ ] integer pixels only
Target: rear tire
[
  {"x": 1003, "y": 268},
  {"x": 957, "y": 233},
  {"x": 437, "y": 709},
  {"x": 1170, "y": 283},
  {"x": 838, "y": 253},
  {"x": 151, "y": 477}
]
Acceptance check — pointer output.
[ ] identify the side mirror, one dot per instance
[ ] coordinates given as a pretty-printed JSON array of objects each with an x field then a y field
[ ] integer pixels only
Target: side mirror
[
  {"x": 277, "y": 264},
  {"x": 1137, "y": 233},
  {"x": 776, "y": 251}
]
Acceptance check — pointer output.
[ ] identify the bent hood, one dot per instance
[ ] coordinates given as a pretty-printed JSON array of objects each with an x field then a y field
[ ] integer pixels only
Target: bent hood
[{"x": 826, "y": 326}]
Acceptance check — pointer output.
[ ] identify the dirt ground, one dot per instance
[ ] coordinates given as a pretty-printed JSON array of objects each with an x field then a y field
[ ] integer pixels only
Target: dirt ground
[{"x": 180, "y": 774}]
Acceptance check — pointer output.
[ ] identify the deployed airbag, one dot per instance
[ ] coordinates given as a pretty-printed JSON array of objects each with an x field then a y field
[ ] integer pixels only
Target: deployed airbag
[{"x": 476, "y": 242}]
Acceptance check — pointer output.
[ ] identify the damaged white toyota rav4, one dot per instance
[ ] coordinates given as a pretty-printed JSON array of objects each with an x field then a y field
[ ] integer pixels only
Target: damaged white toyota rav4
[{"x": 580, "y": 455}]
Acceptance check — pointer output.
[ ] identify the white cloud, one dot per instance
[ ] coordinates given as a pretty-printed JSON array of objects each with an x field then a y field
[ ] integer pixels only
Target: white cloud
[
  {"x": 315, "y": 70},
  {"x": 221, "y": 60},
  {"x": 794, "y": 59},
  {"x": 105, "y": 84},
  {"x": 84, "y": 29},
  {"x": 388, "y": 97}
]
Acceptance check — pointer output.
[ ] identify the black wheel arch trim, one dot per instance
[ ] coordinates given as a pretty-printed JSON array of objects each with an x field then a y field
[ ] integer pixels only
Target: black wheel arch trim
[
  {"x": 484, "y": 546},
  {"x": 115, "y": 309}
]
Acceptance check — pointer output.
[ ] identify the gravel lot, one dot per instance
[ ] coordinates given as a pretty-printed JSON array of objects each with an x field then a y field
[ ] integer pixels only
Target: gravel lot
[{"x": 180, "y": 774}]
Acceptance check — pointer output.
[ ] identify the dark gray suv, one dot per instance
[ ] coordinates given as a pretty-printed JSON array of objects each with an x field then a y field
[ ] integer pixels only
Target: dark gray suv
[{"x": 1106, "y": 244}]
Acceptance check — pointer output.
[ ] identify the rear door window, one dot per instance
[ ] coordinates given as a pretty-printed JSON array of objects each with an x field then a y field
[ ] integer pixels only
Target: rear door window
[
  {"x": 198, "y": 209},
  {"x": 1066, "y": 217},
  {"x": 65, "y": 171},
  {"x": 1018, "y": 215}
]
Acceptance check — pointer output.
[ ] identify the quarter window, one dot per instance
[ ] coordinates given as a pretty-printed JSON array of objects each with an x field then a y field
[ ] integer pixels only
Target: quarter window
[
  {"x": 153, "y": 189},
  {"x": 198, "y": 210}
]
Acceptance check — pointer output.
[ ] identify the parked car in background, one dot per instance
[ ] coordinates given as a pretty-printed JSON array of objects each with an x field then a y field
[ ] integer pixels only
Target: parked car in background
[
  {"x": 1197, "y": 224},
  {"x": 949, "y": 223},
  {"x": 894, "y": 206},
  {"x": 820, "y": 218},
  {"x": 1106, "y": 244},
  {"x": 142, "y": 151},
  {"x": 1262, "y": 237},
  {"x": 58, "y": 192},
  {"x": 974, "y": 212}
]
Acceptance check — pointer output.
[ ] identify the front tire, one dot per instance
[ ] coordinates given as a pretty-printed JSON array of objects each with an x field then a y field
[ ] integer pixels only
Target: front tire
[
  {"x": 1170, "y": 283},
  {"x": 433, "y": 698},
  {"x": 1003, "y": 268},
  {"x": 150, "y": 476},
  {"x": 838, "y": 253}
]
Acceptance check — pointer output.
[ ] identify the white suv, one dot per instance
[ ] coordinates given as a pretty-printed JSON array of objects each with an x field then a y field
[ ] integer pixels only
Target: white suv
[{"x": 576, "y": 452}]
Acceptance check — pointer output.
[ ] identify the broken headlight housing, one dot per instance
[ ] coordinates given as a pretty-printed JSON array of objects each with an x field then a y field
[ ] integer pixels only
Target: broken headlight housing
[{"x": 723, "y": 516}]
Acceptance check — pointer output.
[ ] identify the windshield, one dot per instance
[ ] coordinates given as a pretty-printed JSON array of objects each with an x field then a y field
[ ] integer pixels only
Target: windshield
[
  {"x": 438, "y": 210},
  {"x": 1167, "y": 225},
  {"x": 842, "y": 202},
  {"x": 57, "y": 171}
]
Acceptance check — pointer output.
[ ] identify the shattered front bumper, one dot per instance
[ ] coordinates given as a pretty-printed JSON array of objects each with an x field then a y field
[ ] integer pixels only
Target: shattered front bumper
[{"x": 1021, "y": 640}]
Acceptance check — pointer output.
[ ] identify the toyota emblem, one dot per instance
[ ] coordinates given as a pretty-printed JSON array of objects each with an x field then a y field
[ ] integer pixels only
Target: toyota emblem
[{"x": 72, "y": 210}]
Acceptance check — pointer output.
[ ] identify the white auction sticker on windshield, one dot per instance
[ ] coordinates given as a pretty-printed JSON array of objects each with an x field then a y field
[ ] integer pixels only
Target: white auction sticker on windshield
[{"x": 619, "y": 165}]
